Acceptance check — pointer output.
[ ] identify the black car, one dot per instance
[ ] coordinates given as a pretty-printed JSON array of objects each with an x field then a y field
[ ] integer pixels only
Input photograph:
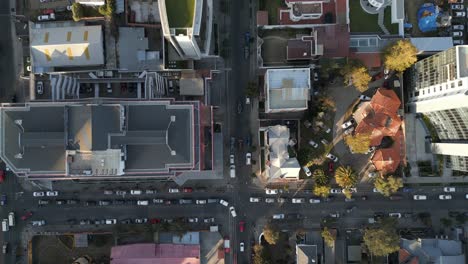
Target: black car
[
  {"x": 72, "y": 221},
  {"x": 126, "y": 221},
  {"x": 72, "y": 201},
  {"x": 59, "y": 202},
  {"x": 104, "y": 202},
  {"x": 294, "y": 216},
  {"x": 90, "y": 203},
  {"x": 118, "y": 202},
  {"x": 130, "y": 202}
]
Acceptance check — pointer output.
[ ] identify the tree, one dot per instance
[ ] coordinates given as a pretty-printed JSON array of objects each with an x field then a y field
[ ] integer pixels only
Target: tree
[
  {"x": 261, "y": 255},
  {"x": 400, "y": 55},
  {"x": 347, "y": 193},
  {"x": 77, "y": 11},
  {"x": 320, "y": 178},
  {"x": 382, "y": 240},
  {"x": 447, "y": 222},
  {"x": 271, "y": 234},
  {"x": 345, "y": 177},
  {"x": 322, "y": 191},
  {"x": 252, "y": 90},
  {"x": 328, "y": 237},
  {"x": 359, "y": 143},
  {"x": 108, "y": 9},
  {"x": 388, "y": 185},
  {"x": 355, "y": 73}
]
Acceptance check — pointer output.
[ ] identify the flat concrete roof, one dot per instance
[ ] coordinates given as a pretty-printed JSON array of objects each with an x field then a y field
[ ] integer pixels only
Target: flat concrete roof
[
  {"x": 133, "y": 50},
  {"x": 64, "y": 138}
]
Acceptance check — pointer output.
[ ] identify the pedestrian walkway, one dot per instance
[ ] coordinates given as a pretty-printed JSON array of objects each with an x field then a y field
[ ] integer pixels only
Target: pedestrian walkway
[{"x": 380, "y": 21}]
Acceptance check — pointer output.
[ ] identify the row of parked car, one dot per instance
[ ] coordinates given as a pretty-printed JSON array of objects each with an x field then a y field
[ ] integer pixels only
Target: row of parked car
[
  {"x": 458, "y": 28},
  {"x": 145, "y": 202}
]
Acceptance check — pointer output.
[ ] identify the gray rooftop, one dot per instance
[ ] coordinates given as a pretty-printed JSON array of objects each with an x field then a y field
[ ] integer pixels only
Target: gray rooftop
[
  {"x": 133, "y": 50},
  {"x": 153, "y": 136},
  {"x": 306, "y": 254}
]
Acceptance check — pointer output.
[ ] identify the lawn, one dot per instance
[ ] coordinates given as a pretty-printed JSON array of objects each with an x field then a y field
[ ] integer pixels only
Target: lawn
[
  {"x": 272, "y": 7},
  {"x": 180, "y": 13},
  {"x": 360, "y": 21}
]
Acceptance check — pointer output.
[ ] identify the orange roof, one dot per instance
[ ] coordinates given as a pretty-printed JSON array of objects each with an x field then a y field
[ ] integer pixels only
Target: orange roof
[
  {"x": 403, "y": 255},
  {"x": 385, "y": 100},
  {"x": 387, "y": 160},
  {"x": 262, "y": 18}
]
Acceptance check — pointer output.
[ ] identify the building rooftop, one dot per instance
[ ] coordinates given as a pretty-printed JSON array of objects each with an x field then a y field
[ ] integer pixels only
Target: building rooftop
[
  {"x": 155, "y": 253},
  {"x": 287, "y": 89},
  {"x": 280, "y": 164},
  {"x": 437, "y": 251},
  {"x": 133, "y": 51},
  {"x": 66, "y": 46},
  {"x": 180, "y": 13},
  {"x": 105, "y": 140},
  {"x": 306, "y": 254},
  {"x": 300, "y": 49}
]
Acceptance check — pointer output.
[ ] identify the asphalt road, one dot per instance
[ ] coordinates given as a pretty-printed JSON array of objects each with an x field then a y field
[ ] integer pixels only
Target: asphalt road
[{"x": 7, "y": 64}]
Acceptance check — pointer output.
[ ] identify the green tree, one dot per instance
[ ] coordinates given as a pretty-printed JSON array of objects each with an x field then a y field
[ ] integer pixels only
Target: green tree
[
  {"x": 304, "y": 154},
  {"x": 271, "y": 234},
  {"x": 382, "y": 240},
  {"x": 388, "y": 185},
  {"x": 355, "y": 73},
  {"x": 447, "y": 222},
  {"x": 320, "y": 178},
  {"x": 400, "y": 55},
  {"x": 347, "y": 193},
  {"x": 77, "y": 11},
  {"x": 358, "y": 143},
  {"x": 328, "y": 237},
  {"x": 345, "y": 177},
  {"x": 261, "y": 255},
  {"x": 322, "y": 191},
  {"x": 108, "y": 9},
  {"x": 460, "y": 219},
  {"x": 252, "y": 90}
]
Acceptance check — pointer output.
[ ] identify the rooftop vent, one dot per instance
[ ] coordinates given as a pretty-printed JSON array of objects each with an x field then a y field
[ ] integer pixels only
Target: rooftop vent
[
  {"x": 173, "y": 152},
  {"x": 172, "y": 118}
]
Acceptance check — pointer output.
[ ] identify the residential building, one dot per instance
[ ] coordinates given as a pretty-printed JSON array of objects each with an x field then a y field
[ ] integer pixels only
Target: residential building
[
  {"x": 58, "y": 48},
  {"x": 425, "y": 251},
  {"x": 438, "y": 90},
  {"x": 306, "y": 254},
  {"x": 279, "y": 165},
  {"x": 155, "y": 253},
  {"x": 187, "y": 25},
  {"x": 287, "y": 90},
  {"x": 91, "y": 2},
  {"x": 114, "y": 140}
]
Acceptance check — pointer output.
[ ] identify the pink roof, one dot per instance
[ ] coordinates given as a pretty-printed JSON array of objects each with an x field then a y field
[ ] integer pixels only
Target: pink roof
[
  {"x": 155, "y": 253},
  {"x": 262, "y": 18},
  {"x": 284, "y": 18},
  {"x": 371, "y": 60}
]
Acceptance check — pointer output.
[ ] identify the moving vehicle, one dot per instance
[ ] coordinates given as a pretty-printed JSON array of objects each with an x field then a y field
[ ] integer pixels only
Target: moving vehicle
[
  {"x": 227, "y": 245},
  {"x": 40, "y": 87},
  {"x": 332, "y": 157},
  {"x": 38, "y": 223},
  {"x": 3, "y": 199},
  {"x": 5, "y": 226},
  {"x": 241, "y": 226},
  {"x": 307, "y": 171},
  {"x": 223, "y": 202},
  {"x": 11, "y": 219},
  {"x": 241, "y": 247},
  {"x": 271, "y": 191},
  {"x": 232, "y": 171},
  {"x": 278, "y": 216},
  {"x": 248, "y": 158},
  {"x": 5, "y": 248},
  {"x": 26, "y": 216},
  {"x": 231, "y": 159},
  {"x": 419, "y": 197},
  {"x": 233, "y": 211}
]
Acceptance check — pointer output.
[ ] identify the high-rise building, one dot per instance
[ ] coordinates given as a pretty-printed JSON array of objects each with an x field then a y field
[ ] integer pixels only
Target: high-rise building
[
  {"x": 187, "y": 25},
  {"x": 439, "y": 89}
]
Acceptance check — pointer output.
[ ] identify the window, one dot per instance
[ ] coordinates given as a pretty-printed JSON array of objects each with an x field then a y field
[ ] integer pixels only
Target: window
[
  {"x": 452, "y": 85},
  {"x": 460, "y": 83}
]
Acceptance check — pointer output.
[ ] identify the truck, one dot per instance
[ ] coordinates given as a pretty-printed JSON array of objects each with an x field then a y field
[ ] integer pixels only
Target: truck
[{"x": 227, "y": 245}]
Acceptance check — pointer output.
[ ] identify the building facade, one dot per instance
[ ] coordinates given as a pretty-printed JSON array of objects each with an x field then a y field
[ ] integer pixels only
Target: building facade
[{"x": 439, "y": 89}]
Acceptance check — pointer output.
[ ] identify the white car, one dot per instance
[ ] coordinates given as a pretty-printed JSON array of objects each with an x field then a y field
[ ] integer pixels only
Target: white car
[
  {"x": 313, "y": 144},
  {"x": 459, "y": 14},
  {"x": 335, "y": 215},
  {"x": 232, "y": 171},
  {"x": 307, "y": 171},
  {"x": 223, "y": 202},
  {"x": 335, "y": 190},
  {"x": 271, "y": 191},
  {"x": 254, "y": 199},
  {"x": 278, "y": 216},
  {"x": 142, "y": 202},
  {"x": 200, "y": 201},
  {"x": 231, "y": 159},
  {"x": 314, "y": 201},
  {"x": 466, "y": 196},
  {"x": 39, "y": 86},
  {"x": 457, "y": 7},
  {"x": 298, "y": 200},
  {"x": 419, "y": 197},
  {"x": 458, "y": 27},
  {"x": 38, "y": 194},
  {"x": 48, "y": 17},
  {"x": 52, "y": 193},
  {"x": 457, "y": 33},
  {"x": 247, "y": 100},
  {"x": 136, "y": 192},
  {"x": 241, "y": 247},
  {"x": 269, "y": 200},
  {"x": 193, "y": 220},
  {"x": 248, "y": 158},
  {"x": 458, "y": 42},
  {"x": 173, "y": 190},
  {"x": 38, "y": 223},
  {"x": 375, "y": 190},
  {"x": 348, "y": 123},
  {"x": 349, "y": 131},
  {"x": 449, "y": 189},
  {"x": 364, "y": 98},
  {"x": 396, "y": 215},
  {"x": 445, "y": 197},
  {"x": 332, "y": 157},
  {"x": 111, "y": 221},
  {"x": 233, "y": 211}
]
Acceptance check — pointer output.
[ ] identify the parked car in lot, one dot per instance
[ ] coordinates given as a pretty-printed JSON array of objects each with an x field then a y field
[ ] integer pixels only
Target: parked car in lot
[
  {"x": 278, "y": 216},
  {"x": 271, "y": 191},
  {"x": 185, "y": 201},
  {"x": 60, "y": 202},
  {"x": 332, "y": 157},
  {"x": 126, "y": 221},
  {"x": 364, "y": 98},
  {"x": 209, "y": 220},
  {"x": 449, "y": 189},
  {"x": 104, "y": 202},
  {"x": 457, "y": 7},
  {"x": 111, "y": 221},
  {"x": 136, "y": 192},
  {"x": 419, "y": 197},
  {"x": 223, "y": 202},
  {"x": 313, "y": 144},
  {"x": 298, "y": 200},
  {"x": 141, "y": 220},
  {"x": 193, "y": 220},
  {"x": 48, "y": 17},
  {"x": 254, "y": 199},
  {"x": 282, "y": 200},
  {"x": 445, "y": 197},
  {"x": 38, "y": 194},
  {"x": 52, "y": 193},
  {"x": 457, "y": 33},
  {"x": 108, "y": 192},
  {"x": 142, "y": 202},
  {"x": 459, "y": 14},
  {"x": 120, "y": 192},
  {"x": 348, "y": 123},
  {"x": 458, "y": 42},
  {"x": 458, "y": 27},
  {"x": 307, "y": 171},
  {"x": 43, "y": 202},
  {"x": 158, "y": 201},
  {"x": 150, "y": 191},
  {"x": 187, "y": 189}
]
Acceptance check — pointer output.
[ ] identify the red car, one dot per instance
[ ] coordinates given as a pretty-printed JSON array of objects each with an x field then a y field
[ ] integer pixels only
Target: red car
[
  {"x": 47, "y": 11},
  {"x": 26, "y": 216},
  {"x": 241, "y": 226},
  {"x": 187, "y": 190},
  {"x": 155, "y": 221},
  {"x": 2, "y": 176},
  {"x": 330, "y": 167}
]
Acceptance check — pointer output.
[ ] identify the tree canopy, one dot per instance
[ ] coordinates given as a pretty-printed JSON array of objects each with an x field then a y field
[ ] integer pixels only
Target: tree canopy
[
  {"x": 261, "y": 255},
  {"x": 320, "y": 178},
  {"x": 271, "y": 234},
  {"x": 400, "y": 55},
  {"x": 382, "y": 240},
  {"x": 355, "y": 73},
  {"x": 321, "y": 190},
  {"x": 328, "y": 237},
  {"x": 358, "y": 143},
  {"x": 345, "y": 177},
  {"x": 77, "y": 11},
  {"x": 252, "y": 90},
  {"x": 388, "y": 185}
]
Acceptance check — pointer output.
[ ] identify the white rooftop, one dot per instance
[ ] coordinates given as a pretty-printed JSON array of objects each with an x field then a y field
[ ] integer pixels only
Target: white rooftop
[
  {"x": 432, "y": 44},
  {"x": 281, "y": 165},
  {"x": 66, "y": 46},
  {"x": 287, "y": 89}
]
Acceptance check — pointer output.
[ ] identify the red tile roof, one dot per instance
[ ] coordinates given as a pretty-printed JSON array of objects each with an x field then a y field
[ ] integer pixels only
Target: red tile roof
[
  {"x": 155, "y": 253},
  {"x": 403, "y": 255},
  {"x": 285, "y": 20},
  {"x": 262, "y": 18},
  {"x": 371, "y": 60},
  {"x": 386, "y": 101},
  {"x": 386, "y": 160},
  {"x": 335, "y": 40}
]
